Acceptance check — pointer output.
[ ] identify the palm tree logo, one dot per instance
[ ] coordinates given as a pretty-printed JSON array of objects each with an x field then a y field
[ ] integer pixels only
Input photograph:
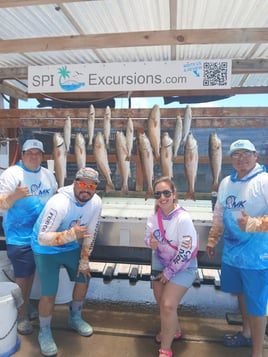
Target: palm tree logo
[{"x": 68, "y": 82}]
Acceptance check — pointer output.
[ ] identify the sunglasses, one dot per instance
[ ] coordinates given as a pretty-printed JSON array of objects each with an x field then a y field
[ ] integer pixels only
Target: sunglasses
[
  {"x": 91, "y": 186},
  {"x": 158, "y": 194},
  {"x": 242, "y": 154}
]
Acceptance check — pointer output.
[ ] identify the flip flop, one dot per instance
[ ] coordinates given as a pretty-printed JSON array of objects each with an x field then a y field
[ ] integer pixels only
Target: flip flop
[
  {"x": 237, "y": 340},
  {"x": 177, "y": 337}
]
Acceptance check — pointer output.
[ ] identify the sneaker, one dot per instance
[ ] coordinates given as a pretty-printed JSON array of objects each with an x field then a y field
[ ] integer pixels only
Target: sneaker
[
  {"x": 32, "y": 312},
  {"x": 24, "y": 326},
  {"x": 78, "y": 324},
  {"x": 47, "y": 345}
]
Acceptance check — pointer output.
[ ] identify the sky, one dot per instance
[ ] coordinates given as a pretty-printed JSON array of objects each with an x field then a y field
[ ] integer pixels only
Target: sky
[{"x": 245, "y": 100}]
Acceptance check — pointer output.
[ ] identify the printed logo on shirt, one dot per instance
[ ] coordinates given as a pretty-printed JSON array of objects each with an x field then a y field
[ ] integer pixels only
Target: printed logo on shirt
[
  {"x": 50, "y": 219},
  {"x": 231, "y": 202},
  {"x": 36, "y": 191}
]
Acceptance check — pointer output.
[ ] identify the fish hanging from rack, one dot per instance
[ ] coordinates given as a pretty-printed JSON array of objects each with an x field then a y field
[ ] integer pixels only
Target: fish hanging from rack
[
  {"x": 107, "y": 126},
  {"x": 177, "y": 136},
  {"x": 122, "y": 163},
  {"x": 154, "y": 128},
  {"x": 60, "y": 159},
  {"x": 166, "y": 153},
  {"x": 190, "y": 165},
  {"x": 80, "y": 150},
  {"x": 187, "y": 122},
  {"x": 147, "y": 161},
  {"x": 129, "y": 138},
  {"x": 90, "y": 125},
  {"x": 215, "y": 159},
  {"x": 67, "y": 133},
  {"x": 101, "y": 157}
]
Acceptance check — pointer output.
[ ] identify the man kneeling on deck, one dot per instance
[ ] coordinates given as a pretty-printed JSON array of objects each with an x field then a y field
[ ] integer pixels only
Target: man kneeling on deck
[{"x": 72, "y": 214}]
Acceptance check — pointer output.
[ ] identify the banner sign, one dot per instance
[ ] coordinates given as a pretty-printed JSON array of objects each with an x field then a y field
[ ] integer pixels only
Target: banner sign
[{"x": 130, "y": 76}]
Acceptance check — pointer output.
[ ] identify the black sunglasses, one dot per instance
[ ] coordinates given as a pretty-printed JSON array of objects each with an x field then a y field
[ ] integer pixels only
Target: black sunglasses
[{"x": 158, "y": 194}]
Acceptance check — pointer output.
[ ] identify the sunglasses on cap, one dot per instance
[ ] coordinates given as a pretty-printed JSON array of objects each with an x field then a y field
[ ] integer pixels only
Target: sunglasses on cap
[
  {"x": 90, "y": 186},
  {"x": 166, "y": 194}
]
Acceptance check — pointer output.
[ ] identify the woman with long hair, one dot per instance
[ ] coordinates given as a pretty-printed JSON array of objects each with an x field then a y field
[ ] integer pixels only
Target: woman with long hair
[{"x": 171, "y": 235}]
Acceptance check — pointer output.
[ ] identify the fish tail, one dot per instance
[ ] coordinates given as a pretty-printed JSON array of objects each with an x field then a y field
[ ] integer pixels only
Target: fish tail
[
  {"x": 190, "y": 196},
  {"x": 214, "y": 187},
  {"x": 157, "y": 158},
  {"x": 109, "y": 187},
  {"x": 148, "y": 194},
  {"x": 124, "y": 190}
]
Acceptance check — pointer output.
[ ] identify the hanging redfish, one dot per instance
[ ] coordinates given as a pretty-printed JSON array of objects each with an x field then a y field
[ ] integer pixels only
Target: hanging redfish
[
  {"x": 190, "y": 165},
  {"x": 59, "y": 157},
  {"x": 154, "y": 131},
  {"x": 215, "y": 159},
  {"x": 122, "y": 163},
  {"x": 101, "y": 157},
  {"x": 147, "y": 161}
]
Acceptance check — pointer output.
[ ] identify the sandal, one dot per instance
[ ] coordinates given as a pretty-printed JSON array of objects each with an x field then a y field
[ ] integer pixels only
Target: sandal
[
  {"x": 167, "y": 353},
  {"x": 177, "y": 337},
  {"x": 237, "y": 340}
]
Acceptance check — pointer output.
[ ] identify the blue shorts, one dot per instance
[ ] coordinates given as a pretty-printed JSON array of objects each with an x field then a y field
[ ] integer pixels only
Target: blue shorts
[
  {"x": 22, "y": 259},
  {"x": 253, "y": 284},
  {"x": 48, "y": 267},
  {"x": 184, "y": 278}
]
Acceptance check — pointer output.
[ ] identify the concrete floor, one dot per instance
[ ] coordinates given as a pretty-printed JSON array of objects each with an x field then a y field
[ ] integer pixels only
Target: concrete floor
[{"x": 125, "y": 320}]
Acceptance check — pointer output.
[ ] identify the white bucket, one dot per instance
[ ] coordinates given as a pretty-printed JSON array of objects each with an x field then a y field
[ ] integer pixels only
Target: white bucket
[
  {"x": 9, "y": 341},
  {"x": 64, "y": 292},
  {"x": 6, "y": 269}
]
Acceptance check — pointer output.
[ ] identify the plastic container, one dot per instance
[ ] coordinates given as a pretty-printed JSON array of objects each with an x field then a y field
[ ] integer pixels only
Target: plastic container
[
  {"x": 6, "y": 269},
  {"x": 9, "y": 341}
]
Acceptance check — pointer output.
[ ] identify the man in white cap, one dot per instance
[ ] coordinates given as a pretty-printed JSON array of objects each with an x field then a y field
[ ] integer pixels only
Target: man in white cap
[
  {"x": 244, "y": 270},
  {"x": 24, "y": 190},
  {"x": 72, "y": 214}
]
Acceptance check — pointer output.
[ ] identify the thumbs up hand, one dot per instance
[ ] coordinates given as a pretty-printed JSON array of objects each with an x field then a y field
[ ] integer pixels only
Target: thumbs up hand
[{"x": 242, "y": 221}]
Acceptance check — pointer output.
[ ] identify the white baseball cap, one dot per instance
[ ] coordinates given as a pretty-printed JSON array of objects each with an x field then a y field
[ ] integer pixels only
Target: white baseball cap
[
  {"x": 33, "y": 144},
  {"x": 241, "y": 145}
]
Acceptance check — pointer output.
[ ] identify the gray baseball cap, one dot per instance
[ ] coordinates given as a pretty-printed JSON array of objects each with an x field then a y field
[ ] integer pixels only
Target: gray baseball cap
[{"x": 88, "y": 172}]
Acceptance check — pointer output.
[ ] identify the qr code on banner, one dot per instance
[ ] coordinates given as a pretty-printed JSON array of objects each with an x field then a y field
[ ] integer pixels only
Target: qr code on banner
[{"x": 215, "y": 73}]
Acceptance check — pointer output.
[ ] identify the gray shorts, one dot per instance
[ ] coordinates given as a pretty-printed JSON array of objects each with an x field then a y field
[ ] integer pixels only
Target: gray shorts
[{"x": 184, "y": 278}]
